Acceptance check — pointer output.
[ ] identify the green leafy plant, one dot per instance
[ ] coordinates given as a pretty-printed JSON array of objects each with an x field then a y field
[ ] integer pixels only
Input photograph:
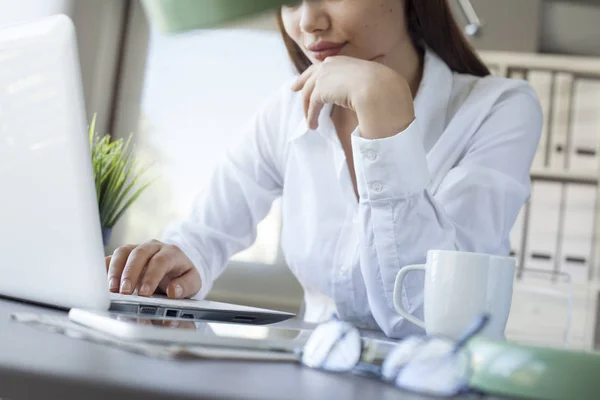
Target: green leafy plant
[{"x": 116, "y": 174}]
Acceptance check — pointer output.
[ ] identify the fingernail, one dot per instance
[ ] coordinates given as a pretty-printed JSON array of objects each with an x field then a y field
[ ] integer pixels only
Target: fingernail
[
  {"x": 125, "y": 286},
  {"x": 113, "y": 284},
  {"x": 145, "y": 290},
  {"x": 178, "y": 291}
]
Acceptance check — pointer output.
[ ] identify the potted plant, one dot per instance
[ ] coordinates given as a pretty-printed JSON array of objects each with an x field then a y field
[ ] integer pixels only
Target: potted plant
[{"x": 117, "y": 178}]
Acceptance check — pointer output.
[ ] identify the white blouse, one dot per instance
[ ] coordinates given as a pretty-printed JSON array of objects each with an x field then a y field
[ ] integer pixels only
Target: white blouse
[{"x": 456, "y": 178}]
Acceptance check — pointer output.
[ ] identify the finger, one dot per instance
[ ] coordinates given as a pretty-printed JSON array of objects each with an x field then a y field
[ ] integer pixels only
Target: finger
[
  {"x": 301, "y": 81},
  {"x": 187, "y": 285},
  {"x": 115, "y": 268},
  {"x": 379, "y": 59},
  {"x": 187, "y": 325},
  {"x": 107, "y": 260},
  {"x": 307, "y": 93},
  {"x": 314, "y": 110},
  {"x": 179, "y": 324},
  {"x": 158, "y": 267},
  {"x": 162, "y": 286},
  {"x": 136, "y": 262}
]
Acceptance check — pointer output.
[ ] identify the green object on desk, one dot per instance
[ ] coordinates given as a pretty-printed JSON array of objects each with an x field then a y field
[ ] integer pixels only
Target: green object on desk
[
  {"x": 171, "y": 16},
  {"x": 523, "y": 371}
]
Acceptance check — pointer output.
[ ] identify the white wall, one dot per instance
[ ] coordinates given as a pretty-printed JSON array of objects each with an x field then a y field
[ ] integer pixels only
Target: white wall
[{"x": 21, "y": 10}]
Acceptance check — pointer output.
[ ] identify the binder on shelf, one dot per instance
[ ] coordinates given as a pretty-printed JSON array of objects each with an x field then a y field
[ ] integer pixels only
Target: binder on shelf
[
  {"x": 559, "y": 118},
  {"x": 585, "y": 126},
  {"x": 576, "y": 244},
  {"x": 543, "y": 225}
]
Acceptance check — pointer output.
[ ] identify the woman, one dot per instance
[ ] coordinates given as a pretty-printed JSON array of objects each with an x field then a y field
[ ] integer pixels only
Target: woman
[{"x": 392, "y": 141}]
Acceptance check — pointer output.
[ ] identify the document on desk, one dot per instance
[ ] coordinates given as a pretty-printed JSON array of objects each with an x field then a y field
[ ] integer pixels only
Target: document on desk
[{"x": 62, "y": 325}]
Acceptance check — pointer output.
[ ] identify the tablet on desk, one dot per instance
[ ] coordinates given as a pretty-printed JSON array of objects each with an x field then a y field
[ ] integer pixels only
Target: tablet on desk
[{"x": 188, "y": 332}]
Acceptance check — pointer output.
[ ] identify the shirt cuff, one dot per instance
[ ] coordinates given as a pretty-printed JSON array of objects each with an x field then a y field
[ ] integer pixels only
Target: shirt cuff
[{"x": 394, "y": 167}]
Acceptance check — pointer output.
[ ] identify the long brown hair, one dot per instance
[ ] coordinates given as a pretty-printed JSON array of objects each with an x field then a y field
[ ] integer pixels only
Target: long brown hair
[{"x": 430, "y": 22}]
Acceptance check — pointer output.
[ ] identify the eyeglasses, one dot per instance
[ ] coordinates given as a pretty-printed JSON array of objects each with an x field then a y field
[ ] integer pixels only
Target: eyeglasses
[{"x": 431, "y": 365}]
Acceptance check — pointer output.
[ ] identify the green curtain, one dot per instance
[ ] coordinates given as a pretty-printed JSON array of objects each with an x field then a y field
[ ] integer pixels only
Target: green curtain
[{"x": 172, "y": 16}]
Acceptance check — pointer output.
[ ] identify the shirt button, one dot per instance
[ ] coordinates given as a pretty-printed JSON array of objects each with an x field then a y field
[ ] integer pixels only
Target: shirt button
[
  {"x": 371, "y": 155},
  {"x": 378, "y": 187}
]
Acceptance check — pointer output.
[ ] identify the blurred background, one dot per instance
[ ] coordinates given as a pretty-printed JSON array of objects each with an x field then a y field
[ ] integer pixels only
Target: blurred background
[{"x": 186, "y": 96}]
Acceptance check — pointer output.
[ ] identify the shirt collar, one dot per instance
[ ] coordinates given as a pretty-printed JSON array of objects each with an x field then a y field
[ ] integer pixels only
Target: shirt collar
[
  {"x": 433, "y": 97},
  {"x": 431, "y": 101}
]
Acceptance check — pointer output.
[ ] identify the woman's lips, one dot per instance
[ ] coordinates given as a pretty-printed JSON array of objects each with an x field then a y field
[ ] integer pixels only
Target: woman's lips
[{"x": 322, "y": 50}]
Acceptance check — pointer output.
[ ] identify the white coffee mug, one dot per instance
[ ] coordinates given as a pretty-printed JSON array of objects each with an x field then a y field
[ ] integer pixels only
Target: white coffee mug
[{"x": 460, "y": 286}]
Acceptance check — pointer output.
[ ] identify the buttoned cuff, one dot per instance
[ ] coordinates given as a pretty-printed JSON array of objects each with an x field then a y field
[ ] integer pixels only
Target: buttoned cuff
[{"x": 394, "y": 167}]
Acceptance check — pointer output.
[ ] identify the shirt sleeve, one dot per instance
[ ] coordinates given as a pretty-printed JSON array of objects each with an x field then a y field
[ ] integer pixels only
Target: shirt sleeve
[
  {"x": 239, "y": 195},
  {"x": 473, "y": 209}
]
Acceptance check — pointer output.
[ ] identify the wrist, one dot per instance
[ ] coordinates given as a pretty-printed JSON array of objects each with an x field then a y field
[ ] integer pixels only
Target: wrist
[{"x": 385, "y": 107}]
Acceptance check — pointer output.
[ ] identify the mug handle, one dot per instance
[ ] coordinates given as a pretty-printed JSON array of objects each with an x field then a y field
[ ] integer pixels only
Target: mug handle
[{"x": 397, "y": 290}]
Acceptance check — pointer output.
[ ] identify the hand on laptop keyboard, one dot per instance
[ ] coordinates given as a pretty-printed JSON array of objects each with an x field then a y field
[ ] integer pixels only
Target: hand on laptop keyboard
[{"x": 152, "y": 267}]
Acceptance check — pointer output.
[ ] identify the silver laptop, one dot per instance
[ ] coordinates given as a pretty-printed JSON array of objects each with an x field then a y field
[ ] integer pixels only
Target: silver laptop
[{"x": 51, "y": 248}]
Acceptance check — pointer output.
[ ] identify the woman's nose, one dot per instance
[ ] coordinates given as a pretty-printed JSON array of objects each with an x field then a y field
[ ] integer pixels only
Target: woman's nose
[{"x": 314, "y": 17}]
